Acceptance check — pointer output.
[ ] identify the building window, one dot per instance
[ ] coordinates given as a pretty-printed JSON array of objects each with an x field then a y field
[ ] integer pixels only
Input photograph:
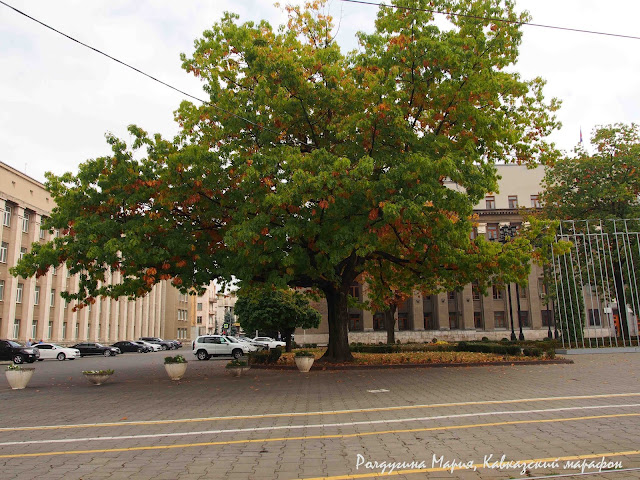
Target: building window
[
  {"x": 16, "y": 328},
  {"x": 42, "y": 232},
  {"x": 513, "y": 201},
  {"x": 34, "y": 329},
  {"x": 497, "y": 293},
  {"x": 6, "y": 220},
  {"x": 354, "y": 291},
  {"x": 524, "y": 319},
  {"x": 76, "y": 333},
  {"x": 36, "y": 296},
  {"x": 547, "y": 318},
  {"x": 199, "y": 319},
  {"x": 1, "y": 290},
  {"x": 403, "y": 321},
  {"x": 50, "y": 330},
  {"x": 355, "y": 322},
  {"x": 23, "y": 252},
  {"x": 64, "y": 330},
  {"x": 492, "y": 231},
  {"x": 25, "y": 222},
  {"x": 535, "y": 201},
  {"x": 378, "y": 321},
  {"x": 453, "y": 320},
  {"x": 19, "y": 293},
  {"x": 475, "y": 291},
  {"x": 491, "y": 203},
  {"x": 429, "y": 321},
  {"x": 4, "y": 248},
  {"x": 199, "y": 306},
  {"x": 451, "y": 295},
  {"x": 474, "y": 233},
  {"x": 478, "y": 322},
  {"x": 52, "y": 297},
  {"x": 594, "y": 318},
  {"x": 88, "y": 330},
  {"x": 523, "y": 292},
  {"x": 499, "y": 319}
]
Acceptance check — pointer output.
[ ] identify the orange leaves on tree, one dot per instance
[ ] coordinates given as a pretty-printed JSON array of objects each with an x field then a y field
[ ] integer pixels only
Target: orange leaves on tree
[
  {"x": 177, "y": 281},
  {"x": 323, "y": 204},
  {"x": 373, "y": 214},
  {"x": 264, "y": 231}
]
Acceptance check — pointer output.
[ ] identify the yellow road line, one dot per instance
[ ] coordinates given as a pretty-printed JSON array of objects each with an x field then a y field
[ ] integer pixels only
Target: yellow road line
[
  {"x": 317, "y": 437},
  {"x": 307, "y": 414},
  {"x": 478, "y": 466}
]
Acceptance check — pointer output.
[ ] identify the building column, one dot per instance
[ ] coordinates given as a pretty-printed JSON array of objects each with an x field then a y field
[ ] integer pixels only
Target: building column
[
  {"x": 442, "y": 310},
  {"x": 11, "y": 284},
  {"x": 417, "y": 311},
  {"x": 466, "y": 320}
]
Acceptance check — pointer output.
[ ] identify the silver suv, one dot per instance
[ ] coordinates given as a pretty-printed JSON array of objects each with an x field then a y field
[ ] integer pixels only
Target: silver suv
[{"x": 207, "y": 346}]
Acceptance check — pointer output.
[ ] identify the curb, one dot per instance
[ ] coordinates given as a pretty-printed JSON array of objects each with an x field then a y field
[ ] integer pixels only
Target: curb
[{"x": 415, "y": 365}]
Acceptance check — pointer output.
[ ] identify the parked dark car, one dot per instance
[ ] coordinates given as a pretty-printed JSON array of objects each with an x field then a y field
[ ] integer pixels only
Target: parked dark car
[
  {"x": 177, "y": 343},
  {"x": 10, "y": 350},
  {"x": 165, "y": 344},
  {"x": 88, "y": 348},
  {"x": 127, "y": 346}
]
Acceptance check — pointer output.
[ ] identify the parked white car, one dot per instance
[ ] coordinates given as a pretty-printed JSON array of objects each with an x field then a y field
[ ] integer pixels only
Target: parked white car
[
  {"x": 207, "y": 346},
  {"x": 51, "y": 350},
  {"x": 251, "y": 346},
  {"x": 269, "y": 342}
]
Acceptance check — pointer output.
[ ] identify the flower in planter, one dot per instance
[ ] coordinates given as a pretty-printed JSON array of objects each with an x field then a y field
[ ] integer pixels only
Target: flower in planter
[
  {"x": 304, "y": 353},
  {"x": 237, "y": 363},
  {"x": 13, "y": 367},
  {"x": 176, "y": 359},
  {"x": 98, "y": 372}
]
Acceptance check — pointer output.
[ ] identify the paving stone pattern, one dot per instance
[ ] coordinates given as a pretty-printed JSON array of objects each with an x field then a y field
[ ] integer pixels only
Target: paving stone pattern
[{"x": 267, "y": 448}]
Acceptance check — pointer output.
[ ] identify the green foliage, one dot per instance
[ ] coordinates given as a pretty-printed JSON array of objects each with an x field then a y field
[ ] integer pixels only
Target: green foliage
[
  {"x": 271, "y": 309},
  {"x": 237, "y": 363},
  {"x": 313, "y": 168},
  {"x": 265, "y": 357},
  {"x": 488, "y": 348},
  {"x": 304, "y": 353},
  {"x": 176, "y": 359},
  {"x": 98, "y": 372},
  {"x": 532, "y": 352}
]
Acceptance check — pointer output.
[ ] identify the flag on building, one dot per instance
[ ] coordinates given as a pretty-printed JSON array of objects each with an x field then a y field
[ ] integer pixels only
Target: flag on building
[{"x": 580, "y": 134}]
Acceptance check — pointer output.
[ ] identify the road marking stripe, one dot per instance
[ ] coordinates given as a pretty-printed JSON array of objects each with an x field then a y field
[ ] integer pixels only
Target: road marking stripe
[
  {"x": 322, "y": 425},
  {"x": 318, "y": 437},
  {"x": 306, "y": 414},
  {"x": 481, "y": 466}
]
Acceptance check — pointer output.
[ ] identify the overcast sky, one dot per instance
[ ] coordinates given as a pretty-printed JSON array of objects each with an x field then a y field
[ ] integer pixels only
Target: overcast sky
[{"x": 58, "y": 99}]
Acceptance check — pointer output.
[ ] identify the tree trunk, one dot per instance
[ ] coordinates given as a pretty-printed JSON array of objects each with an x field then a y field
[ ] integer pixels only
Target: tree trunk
[
  {"x": 390, "y": 323},
  {"x": 338, "y": 316},
  {"x": 287, "y": 338}
]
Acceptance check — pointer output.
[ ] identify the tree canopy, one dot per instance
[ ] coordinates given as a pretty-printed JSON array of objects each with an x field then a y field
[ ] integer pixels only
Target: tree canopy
[
  {"x": 275, "y": 310},
  {"x": 314, "y": 168}
]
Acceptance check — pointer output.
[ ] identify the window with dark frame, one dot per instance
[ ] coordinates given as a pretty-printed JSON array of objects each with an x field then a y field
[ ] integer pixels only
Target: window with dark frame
[
  {"x": 513, "y": 201},
  {"x": 490, "y": 202},
  {"x": 492, "y": 231}
]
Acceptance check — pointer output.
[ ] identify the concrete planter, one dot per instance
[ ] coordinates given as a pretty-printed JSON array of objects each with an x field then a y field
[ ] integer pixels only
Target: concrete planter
[
  {"x": 237, "y": 371},
  {"x": 304, "y": 363},
  {"x": 97, "y": 378},
  {"x": 18, "y": 379},
  {"x": 175, "y": 370}
]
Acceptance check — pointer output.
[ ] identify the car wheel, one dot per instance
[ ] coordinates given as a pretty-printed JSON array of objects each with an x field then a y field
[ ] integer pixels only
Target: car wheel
[
  {"x": 107, "y": 353},
  {"x": 164, "y": 347},
  {"x": 202, "y": 355},
  {"x": 18, "y": 359},
  {"x": 237, "y": 353},
  {"x": 139, "y": 350},
  {"x": 61, "y": 356}
]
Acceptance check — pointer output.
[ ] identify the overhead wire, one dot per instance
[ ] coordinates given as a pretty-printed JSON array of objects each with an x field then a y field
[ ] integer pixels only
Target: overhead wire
[
  {"x": 206, "y": 102},
  {"x": 494, "y": 19}
]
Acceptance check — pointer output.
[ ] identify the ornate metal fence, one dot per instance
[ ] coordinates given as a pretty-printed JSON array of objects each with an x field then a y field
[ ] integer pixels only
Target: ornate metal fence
[{"x": 596, "y": 285}]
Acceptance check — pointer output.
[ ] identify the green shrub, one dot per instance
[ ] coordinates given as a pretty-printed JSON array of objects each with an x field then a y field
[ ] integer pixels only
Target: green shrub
[
  {"x": 532, "y": 352},
  {"x": 275, "y": 354},
  {"x": 488, "y": 348},
  {"x": 237, "y": 363},
  {"x": 304, "y": 353},
  {"x": 485, "y": 339},
  {"x": 176, "y": 359},
  {"x": 384, "y": 348},
  {"x": 434, "y": 340},
  {"x": 261, "y": 357}
]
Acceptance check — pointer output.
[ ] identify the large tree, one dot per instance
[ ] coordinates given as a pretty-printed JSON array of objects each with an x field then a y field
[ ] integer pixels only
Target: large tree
[
  {"x": 275, "y": 310},
  {"x": 310, "y": 167},
  {"x": 598, "y": 196}
]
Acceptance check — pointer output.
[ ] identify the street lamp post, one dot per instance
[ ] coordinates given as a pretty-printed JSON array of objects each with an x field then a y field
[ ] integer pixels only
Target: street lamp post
[{"x": 507, "y": 231}]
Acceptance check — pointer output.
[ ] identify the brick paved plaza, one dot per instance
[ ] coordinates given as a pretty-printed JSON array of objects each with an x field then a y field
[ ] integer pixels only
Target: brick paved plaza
[{"x": 287, "y": 425}]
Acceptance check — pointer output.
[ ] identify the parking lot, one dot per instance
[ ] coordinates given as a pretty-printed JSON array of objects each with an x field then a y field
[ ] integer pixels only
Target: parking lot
[{"x": 420, "y": 423}]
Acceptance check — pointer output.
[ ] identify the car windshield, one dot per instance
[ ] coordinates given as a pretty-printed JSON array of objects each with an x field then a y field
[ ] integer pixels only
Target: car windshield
[
  {"x": 99, "y": 345},
  {"x": 232, "y": 339},
  {"x": 14, "y": 344}
]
